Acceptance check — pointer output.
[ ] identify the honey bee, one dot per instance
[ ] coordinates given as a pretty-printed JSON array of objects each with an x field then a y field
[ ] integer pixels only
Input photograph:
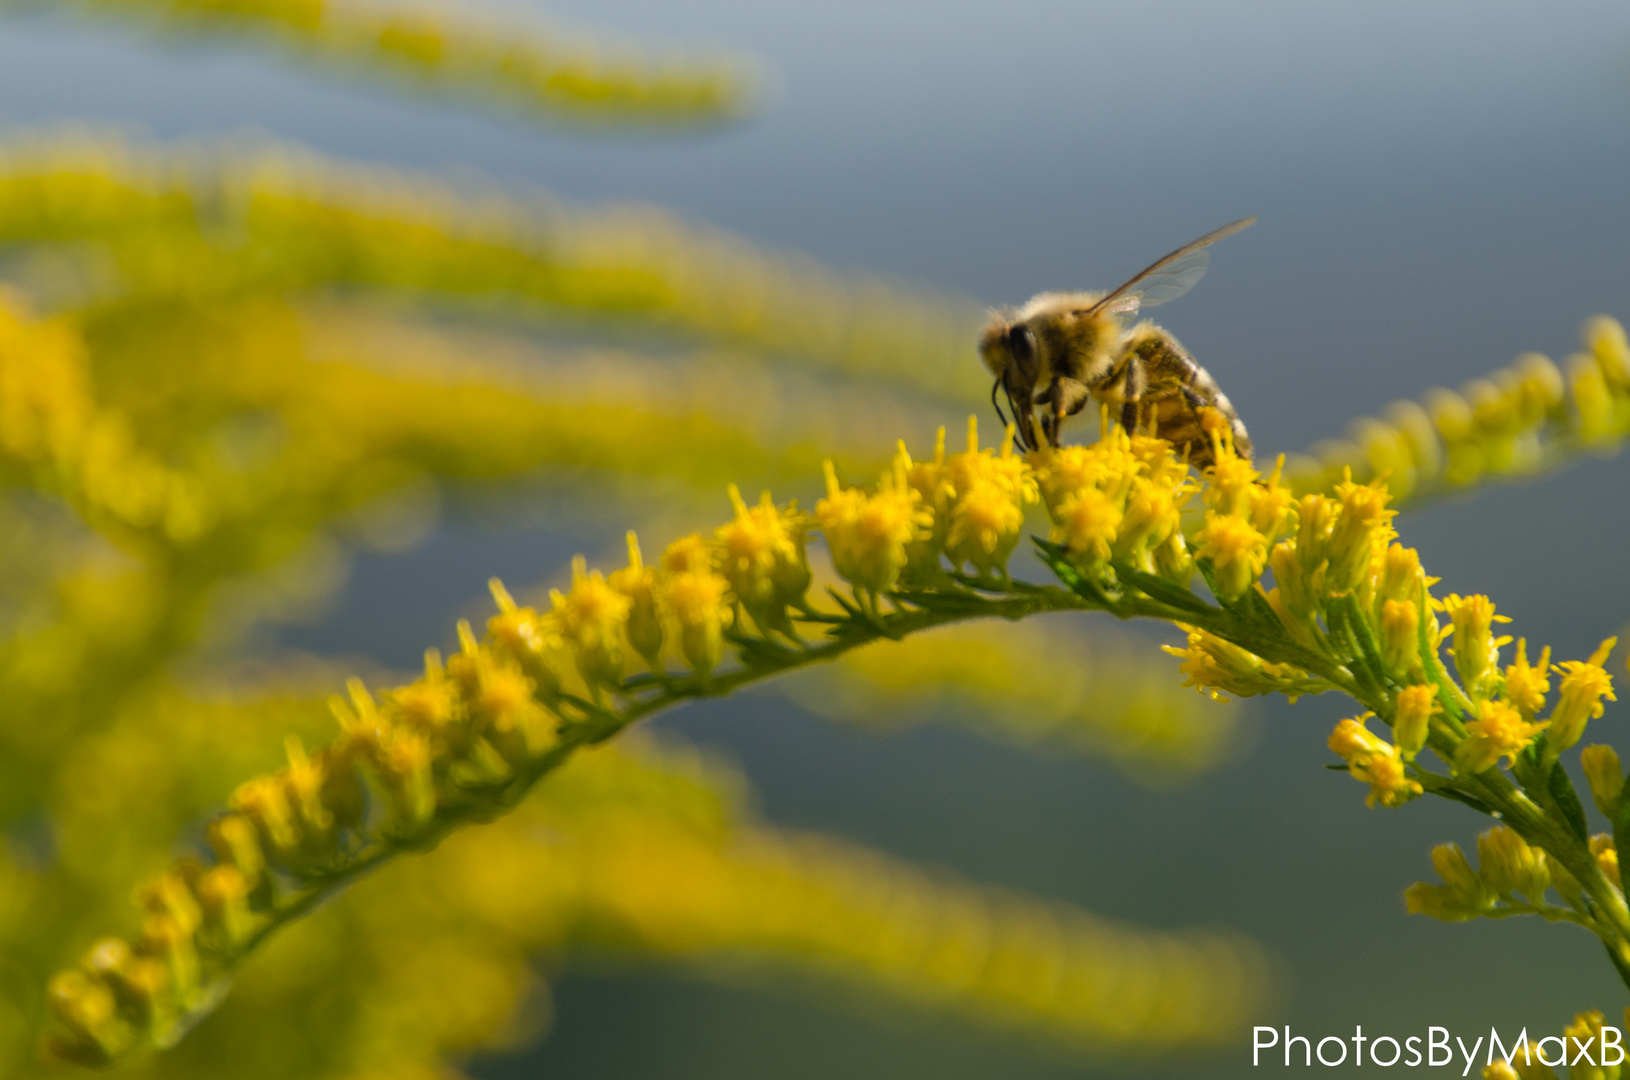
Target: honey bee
[{"x": 1061, "y": 349}]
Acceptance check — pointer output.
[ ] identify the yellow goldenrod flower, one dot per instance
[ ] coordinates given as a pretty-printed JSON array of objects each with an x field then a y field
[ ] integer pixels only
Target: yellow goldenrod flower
[
  {"x": 430, "y": 704},
  {"x": 987, "y": 494},
  {"x": 1509, "y": 865},
  {"x": 1231, "y": 484},
  {"x": 699, "y": 602},
  {"x": 1605, "y": 775},
  {"x": 1213, "y": 665},
  {"x": 1315, "y": 517},
  {"x": 1237, "y": 553},
  {"x": 1088, "y": 522},
  {"x": 1463, "y": 895},
  {"x": 1607, "y": 855},
  {"x": 1477, "y": 651},
  {"x": 1400, "y": 637},
  {"x": 1525, "y": 1064},
  {"x": 1361, "y": 531},
  {"x": 1525, "y": 686},
  {"x": 1374, "y": 761},
  {"x": 1411, "y": 723},
  {"x": 1274, "y": 512},
  {"x": 868, "y": 534},
  {"x": 763, "y": 559},
  {"x": 1584, "y": 685},
  {"x": 591, "y": 618},
  {"x": 1585, "y": 1031},
  {"x": 690, "y": 555},
  {"x": 638, "y": 583},
  {"x": 936, "y": 490},
  {"x": 1499, "y": 731},
  {"x": 1401, "y": 576}
]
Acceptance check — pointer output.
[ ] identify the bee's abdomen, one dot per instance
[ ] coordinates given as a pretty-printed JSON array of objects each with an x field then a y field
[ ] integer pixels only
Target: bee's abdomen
[{"x": 1177, "y": 387}]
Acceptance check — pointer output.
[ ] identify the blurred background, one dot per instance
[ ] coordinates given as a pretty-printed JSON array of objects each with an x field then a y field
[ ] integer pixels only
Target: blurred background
[{"x": 1441, "y": 187}]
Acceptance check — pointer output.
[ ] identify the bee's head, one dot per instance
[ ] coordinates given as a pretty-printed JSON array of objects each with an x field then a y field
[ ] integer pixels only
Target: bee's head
[{"x": 1010, "y": 351}]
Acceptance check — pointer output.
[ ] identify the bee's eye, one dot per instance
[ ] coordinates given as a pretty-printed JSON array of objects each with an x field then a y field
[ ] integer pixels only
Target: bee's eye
[{"x": 1021, "y": 343}]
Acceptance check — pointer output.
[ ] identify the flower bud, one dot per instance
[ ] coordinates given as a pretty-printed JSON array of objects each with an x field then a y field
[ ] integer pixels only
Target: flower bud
[
  {"x": 591, "y": 618},
  {"x": 1585, "y": 1031},
  {"x": 1361, "y": 528},
  {"x": 1509, "y": 865},
  {"x": 637, "y": 582},
  {"x": 1462, "y": 895},
  {"x": 699, "y": 605},
  {"x": 762, "y": 558},
  {"x": 1411, "y": 723},
  {"x": 1476, "y": 649},
  {"x": 1605, "y": 776},
  {"x": 1400, "y": 636},
  {"x": 1607, "y": 856},
  {"x": 531, "y": 640}
]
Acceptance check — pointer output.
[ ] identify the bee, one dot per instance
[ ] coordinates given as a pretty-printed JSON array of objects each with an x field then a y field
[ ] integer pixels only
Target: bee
[{"x": 1062, "y": 349}]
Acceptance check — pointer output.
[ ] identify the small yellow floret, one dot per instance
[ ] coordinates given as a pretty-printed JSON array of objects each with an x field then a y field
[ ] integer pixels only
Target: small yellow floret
[
  {"x": 1237, "y": 552},
  {"x": 1411, "y": 722},
  {"x": 1526, "y": 686},
  {"x": 1374, "y": 761},
  {"x": 868, "y": 534},
  {"x": 591, "y": 618},
  {"x": 699, "y": 603},
  {"x": 1477, "y": 651},
  {"x": 1584, "y": 684},
  {"x": 763, "y": 559},
  {"x": 1500, "y": 731}
]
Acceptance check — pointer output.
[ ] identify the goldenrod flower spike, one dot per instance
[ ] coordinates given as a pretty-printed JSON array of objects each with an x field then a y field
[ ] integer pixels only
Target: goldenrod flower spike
[
  {"x": 1350, "y": 611},
  {"x": 1523, "y": 419}
]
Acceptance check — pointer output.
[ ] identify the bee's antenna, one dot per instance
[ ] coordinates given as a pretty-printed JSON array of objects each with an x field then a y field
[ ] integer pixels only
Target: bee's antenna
[{"x": 995, "y": 386}]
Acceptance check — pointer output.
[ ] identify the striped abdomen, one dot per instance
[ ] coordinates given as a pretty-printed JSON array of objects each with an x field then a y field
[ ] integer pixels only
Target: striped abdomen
[{"x": 1175, "y": 388}]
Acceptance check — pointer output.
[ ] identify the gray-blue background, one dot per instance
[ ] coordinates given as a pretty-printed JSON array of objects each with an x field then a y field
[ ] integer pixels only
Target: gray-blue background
[{"x": 1440, "y": 185}]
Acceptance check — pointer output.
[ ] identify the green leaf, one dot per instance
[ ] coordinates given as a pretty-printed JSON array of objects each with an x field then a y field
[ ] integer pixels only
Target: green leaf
[
  {"x": 1567, "y": 801},
  {"x": 1158, "y": 588},
  {"x": 1621, "y": 836}
]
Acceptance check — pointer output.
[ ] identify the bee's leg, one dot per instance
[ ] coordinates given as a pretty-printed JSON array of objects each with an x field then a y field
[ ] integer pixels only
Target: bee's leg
[
  {"x": 1133, "y": 385},
  {"x": 1051, "y": 403}
]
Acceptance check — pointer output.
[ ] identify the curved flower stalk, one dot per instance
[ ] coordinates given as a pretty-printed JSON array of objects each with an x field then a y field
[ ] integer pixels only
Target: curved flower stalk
[
  {"x": 1349, "y": 610},
  {"x": 279, "y": 221},
  {"x": 1523, "y": 420},
  {"x": 522, "y": 65}
]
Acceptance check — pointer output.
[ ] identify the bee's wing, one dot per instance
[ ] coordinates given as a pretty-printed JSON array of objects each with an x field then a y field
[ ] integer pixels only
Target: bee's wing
[{"x": 1170, "y": 277}]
